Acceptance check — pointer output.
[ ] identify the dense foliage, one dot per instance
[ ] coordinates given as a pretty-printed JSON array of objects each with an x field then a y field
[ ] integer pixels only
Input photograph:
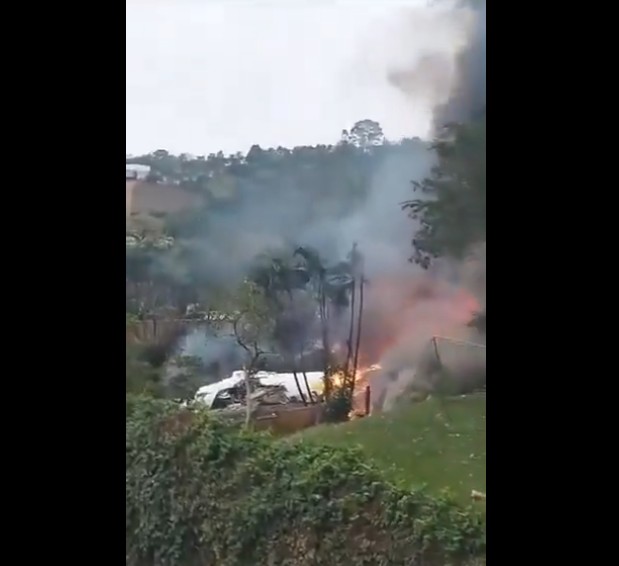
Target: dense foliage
[
  {"x": 451, "y": 202},
  {"x": 201, "y": 493}
]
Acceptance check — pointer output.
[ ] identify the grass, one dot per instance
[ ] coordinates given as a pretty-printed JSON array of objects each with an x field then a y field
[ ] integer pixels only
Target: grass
[{"x": 439, "y": 444}]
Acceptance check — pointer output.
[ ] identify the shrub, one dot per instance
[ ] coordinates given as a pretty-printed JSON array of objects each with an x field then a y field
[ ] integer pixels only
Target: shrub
[
  {"x": 199, "y": 493},
  {"x": 140, "y": 376},
  {"x": 338, "y": 406}
]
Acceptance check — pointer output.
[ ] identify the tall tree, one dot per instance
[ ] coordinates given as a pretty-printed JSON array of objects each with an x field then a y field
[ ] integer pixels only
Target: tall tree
[
  {"x": 451, "y": 206},
  {"x": 280, "y": 279},
  {"x": 331, "y": 286},
  {"x": 364, "y": 134}
]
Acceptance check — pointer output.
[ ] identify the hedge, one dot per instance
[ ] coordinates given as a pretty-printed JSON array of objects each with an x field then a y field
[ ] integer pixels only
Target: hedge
[{"x": 200, "y": 493}]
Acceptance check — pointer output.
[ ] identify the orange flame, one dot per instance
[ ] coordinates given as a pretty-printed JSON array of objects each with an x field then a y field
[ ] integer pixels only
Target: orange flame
[
  {"x": 403, "y": 314},
  {"x": 410, "y": 311}
]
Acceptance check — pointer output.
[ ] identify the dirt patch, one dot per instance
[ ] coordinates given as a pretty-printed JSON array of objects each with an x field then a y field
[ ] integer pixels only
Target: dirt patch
[{"x": 143, "y": 197}]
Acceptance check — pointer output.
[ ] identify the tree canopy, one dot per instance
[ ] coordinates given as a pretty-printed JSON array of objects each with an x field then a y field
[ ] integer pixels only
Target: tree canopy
[{"x": 451, "y": 203}]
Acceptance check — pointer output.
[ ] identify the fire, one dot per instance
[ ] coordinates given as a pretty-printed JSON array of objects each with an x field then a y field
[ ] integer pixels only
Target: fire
[
  {"x": 338, "y": 379},
  {"x": 400, "y": 317},
  {"x": 408, "y": 311}
]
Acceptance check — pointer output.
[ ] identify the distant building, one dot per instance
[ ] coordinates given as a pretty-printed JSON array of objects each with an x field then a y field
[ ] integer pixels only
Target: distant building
[{"x": 136, "y": 171}]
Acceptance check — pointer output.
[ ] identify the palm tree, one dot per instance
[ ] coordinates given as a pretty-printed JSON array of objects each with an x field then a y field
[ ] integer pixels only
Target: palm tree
[
  {"x": 316, "y": 272},
  {"x": 333, "y": 288},
  {"x": 276, "y": 276}
]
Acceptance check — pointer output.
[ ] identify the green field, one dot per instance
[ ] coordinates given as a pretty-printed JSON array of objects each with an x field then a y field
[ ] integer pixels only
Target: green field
[{"x": 439, "y": 444}]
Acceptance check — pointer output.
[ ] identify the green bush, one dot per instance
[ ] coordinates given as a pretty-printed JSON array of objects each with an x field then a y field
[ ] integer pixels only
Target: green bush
[
  {"x": 140, "y": 376},
  {"x": 338, "y": 406},
  {"x": 199, "y": 493}
]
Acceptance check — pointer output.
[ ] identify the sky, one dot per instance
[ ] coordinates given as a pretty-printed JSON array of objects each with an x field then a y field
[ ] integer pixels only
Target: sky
[{"x": 211, "y": 75}]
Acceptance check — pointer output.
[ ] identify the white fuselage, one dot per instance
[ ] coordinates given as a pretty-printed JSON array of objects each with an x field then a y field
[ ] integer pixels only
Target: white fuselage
[{"x": 208, "y": 393}]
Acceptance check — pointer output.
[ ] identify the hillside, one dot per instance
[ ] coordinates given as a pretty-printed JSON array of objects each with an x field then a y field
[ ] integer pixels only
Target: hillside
[
  {"x": 438, "y": 444},
  {"x": 143, "y": 197}
]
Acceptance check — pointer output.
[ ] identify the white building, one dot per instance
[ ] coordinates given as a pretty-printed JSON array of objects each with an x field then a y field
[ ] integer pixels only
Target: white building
[{"x": 136, "y": 171}]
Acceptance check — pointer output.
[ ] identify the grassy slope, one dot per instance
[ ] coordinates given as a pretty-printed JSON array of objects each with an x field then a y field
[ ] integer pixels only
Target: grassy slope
[{"x": 438, "y": 444}]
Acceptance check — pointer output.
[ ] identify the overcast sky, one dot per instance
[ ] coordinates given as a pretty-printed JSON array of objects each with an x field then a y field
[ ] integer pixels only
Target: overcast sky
[{"x": 210, "y": 75}]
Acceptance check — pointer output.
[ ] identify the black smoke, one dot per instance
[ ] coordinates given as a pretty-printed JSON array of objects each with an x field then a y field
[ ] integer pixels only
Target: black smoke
[{"x": 467, "y": 100}]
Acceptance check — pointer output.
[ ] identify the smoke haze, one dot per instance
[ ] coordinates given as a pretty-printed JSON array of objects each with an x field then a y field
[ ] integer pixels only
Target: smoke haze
[{"x": 405, "y": 306}]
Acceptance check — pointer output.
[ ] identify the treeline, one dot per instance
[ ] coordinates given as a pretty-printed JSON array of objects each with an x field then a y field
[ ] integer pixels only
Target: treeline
[
  {"x": 450, "y": 204},
  {"x": 208, "y": 174},
  {"x": 253, "y": 203},
  {"x": 294, "y": 187}
]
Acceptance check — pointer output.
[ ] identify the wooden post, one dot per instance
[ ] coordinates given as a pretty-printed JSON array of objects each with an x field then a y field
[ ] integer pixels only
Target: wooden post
[
  {"x": 247, "y": 397},
  {"x": 367, "y": 400},
  {"x": 438, "y": 357}
]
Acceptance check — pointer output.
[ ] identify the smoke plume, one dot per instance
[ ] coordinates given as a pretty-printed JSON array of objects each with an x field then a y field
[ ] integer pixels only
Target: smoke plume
[
  {"x": 441, "y": 304},
  {"x": 405, "y": 305}
]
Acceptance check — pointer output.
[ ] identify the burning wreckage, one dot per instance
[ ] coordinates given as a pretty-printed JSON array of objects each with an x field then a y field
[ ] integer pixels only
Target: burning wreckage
[
  {"x": 377, "y": 388},
  {"x": 267, "y": 388},
  {"x": 405, "y": 331},
  {"x": 274, "y": 400}
]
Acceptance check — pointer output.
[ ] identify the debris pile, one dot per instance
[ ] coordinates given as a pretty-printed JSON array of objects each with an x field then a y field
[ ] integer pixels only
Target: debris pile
[
  {"x": 265, "y": 389},
  {"x": 270, "y": 395}
]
